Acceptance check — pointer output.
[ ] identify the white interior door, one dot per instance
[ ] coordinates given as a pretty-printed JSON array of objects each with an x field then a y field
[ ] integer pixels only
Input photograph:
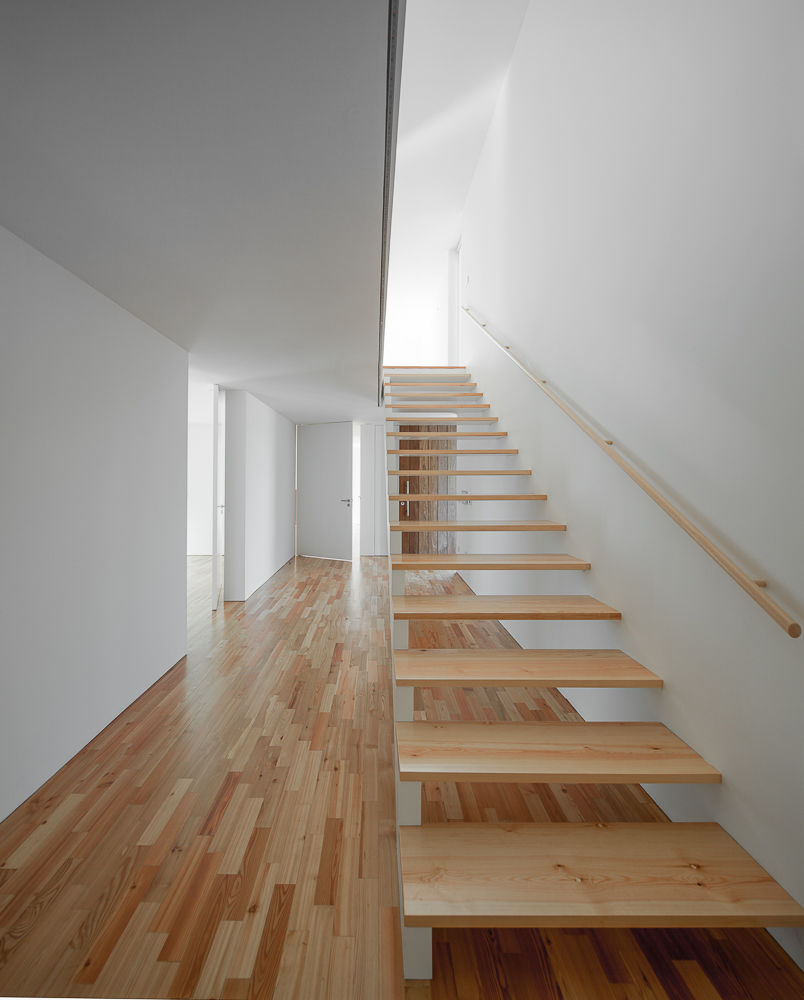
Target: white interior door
[{"x": 324, "y": 484}]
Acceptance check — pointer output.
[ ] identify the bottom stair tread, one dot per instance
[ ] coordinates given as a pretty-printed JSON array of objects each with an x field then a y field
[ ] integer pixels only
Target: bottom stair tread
[{"x": 586, "y": 875}]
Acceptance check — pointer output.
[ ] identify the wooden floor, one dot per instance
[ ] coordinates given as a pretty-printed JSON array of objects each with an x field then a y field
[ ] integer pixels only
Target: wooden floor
[
  {"x": 566, "y": 964},
  {"x": 231, "y": 833}
]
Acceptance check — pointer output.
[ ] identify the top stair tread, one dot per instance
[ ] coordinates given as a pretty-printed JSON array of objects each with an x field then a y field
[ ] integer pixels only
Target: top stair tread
[
  {"x": 520, "y": 668},
  {"x": 502, "y": 607},
  {"x": 586, "y": 875},
  {"x": 572, "y": 752},
  {"x": 437, "y": 407}
]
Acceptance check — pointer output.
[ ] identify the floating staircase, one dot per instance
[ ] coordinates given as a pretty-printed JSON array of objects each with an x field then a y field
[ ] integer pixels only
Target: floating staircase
[{"x": 531, "y": 874}]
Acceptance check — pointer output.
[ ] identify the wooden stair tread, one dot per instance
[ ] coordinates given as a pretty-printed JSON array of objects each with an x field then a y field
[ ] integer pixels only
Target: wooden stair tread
[
  {"x": 476, "y": 525},
  {"x": 424, "y": 367},
  {"x": 431, "y": 395},
  {"x": 520, "y": 668},
  {"x": 429, "y": 435},
  {"x": 438, "y": 407},
  {"x": 460, "y": 472},
  {"x": 502, "y": 607},
  {"x": 442, "y": 420},
  {"x": 586, "y": 875},
  {"x": 467, "y": 496},
  {"x": 437, "y": 385},
  {"x": 415, "y": 452},
  {"x": 571, "y": 752},
  {"x": 464, "y": 560}
]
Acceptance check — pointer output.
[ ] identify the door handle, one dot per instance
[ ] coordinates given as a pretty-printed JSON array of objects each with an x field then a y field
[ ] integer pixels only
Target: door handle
[{"x": 347, "y": 501}]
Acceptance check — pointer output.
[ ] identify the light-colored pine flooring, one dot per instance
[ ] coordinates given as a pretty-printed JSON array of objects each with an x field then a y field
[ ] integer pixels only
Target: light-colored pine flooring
[{"x": 231, "y": 833}]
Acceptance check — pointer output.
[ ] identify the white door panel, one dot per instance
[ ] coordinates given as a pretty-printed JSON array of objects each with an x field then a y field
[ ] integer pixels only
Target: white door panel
[{"x": 324, "y": 483}]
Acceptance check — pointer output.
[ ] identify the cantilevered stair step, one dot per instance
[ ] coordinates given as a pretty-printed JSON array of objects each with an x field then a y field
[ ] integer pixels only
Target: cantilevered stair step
[
  {"x": 463, "y": 560},
  {"x": 431, "y": 395},
  {"x": 397, "y": 368},
  {"x": 413, "y": 497},
  {"x": 437, "y": 407},
  {"x": 567, "y": 752},
  {"x": 435, "y": 436},
  {"x": 609, "y": 668},
  {"x": 476, "y": 525},
  {"x": 586, "y": 875},
  {"x": 439, "y": 421},
  {"x": 430, "y": 385},
  {"x": 426, "y": 374},
  {"x": 502, "y": 607},
  {"x": 416, "y": 452},
  {"x": 460, "y": 472}
]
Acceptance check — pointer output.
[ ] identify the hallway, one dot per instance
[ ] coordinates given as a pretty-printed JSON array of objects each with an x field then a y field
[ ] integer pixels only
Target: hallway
[{"x": 231, "y": 833}]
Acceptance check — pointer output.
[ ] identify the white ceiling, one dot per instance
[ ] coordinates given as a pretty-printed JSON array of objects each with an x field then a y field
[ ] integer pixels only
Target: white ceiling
[
  {"x": 216, "y": 169},
  {"x": 455, "y": 58}
]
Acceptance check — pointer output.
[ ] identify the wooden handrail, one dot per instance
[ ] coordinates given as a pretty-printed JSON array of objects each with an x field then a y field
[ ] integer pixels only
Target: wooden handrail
[{"x": 754, "y": 588}]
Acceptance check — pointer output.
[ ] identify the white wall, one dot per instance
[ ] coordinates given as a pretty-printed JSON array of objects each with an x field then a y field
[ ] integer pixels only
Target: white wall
[
  {"x": 260, "y": 485},
  {"x": 635, "y": 231},
  {"x": 199, "y": 489},
  {"x": 94, "y": 457},
  {"x": 373, "y": 494},
  {"x": 456, "y": 52}
]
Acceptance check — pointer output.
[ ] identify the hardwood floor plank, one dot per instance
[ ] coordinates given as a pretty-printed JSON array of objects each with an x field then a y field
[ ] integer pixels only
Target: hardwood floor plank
[{"x": 269, "y": 954}]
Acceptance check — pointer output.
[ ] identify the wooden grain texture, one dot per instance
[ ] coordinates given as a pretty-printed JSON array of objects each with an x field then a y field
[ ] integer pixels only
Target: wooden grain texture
[
  {"x": 573, "y": 752},
  {"x": 477, "y": 525},
  {"x": 586, "y": 875},
  {"x": 459, "y": 472},
  {"x": 231, "y": 833},
  {"x": 415, "y": 506},
  {"x": 471, "y": 496},
  {"x": 543, "y": 668},
  {"x": 500, "y": 607},
  {"x": 461, "y": 419},
  {"x": 503, "y": 561},
  {"x": 425, "y": 435},
  {"x": 459, "y": 451}
]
